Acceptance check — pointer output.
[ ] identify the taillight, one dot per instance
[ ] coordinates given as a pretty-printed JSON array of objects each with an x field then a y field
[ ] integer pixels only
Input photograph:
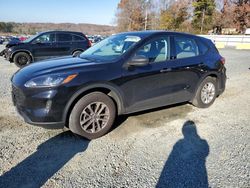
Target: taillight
[
  {"x": 223, "y": 60},
  {"x": 89, "y": 43}
]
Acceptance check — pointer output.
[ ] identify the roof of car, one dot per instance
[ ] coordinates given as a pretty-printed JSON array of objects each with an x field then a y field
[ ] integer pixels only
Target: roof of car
[
  {"x": 152, "y": 32},
  {"x": 61, "y": 31}
]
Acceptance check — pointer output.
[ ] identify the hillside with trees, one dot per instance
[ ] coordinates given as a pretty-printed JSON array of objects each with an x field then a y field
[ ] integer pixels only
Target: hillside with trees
[
  {"x": 196, "y": 16},
  {"x": 32, "y": 28}
]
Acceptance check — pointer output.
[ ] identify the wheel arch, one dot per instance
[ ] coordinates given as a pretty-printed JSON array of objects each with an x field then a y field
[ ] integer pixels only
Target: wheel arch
[
  {"x": 25, "y": 51},
  {"x": 110, "y": 90},
  {"x": 77, "y": 49},
  {"x": 209, "y": 74}
]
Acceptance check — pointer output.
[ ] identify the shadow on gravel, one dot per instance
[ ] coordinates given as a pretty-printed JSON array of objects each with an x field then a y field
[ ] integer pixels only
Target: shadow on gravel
[
  {"x": 50, "y": 157},
  {"x": 152, "y": 118},
  {"x": 186, "y": 164}
]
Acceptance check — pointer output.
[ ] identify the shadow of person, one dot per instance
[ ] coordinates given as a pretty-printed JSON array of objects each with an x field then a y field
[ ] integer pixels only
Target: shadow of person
[
  {"x": 186, "y": 164},
  {"x": 50, "y": 157}
]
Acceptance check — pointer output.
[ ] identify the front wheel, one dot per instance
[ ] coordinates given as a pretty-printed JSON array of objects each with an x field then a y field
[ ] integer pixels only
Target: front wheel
[
  {"x": 92, "y": 116},
  {"x": 21, "y": 59},
  {"x": 206, "y": 93}
]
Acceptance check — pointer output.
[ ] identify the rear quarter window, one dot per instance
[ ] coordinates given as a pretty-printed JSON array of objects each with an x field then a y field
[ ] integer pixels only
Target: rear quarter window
[
  {"x": 203, "y": 48},
  {"x": 78, "y": 38}
]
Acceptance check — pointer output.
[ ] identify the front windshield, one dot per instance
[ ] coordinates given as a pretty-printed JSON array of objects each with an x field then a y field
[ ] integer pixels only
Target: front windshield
[
  {"x": 111, "y": 48},
  {"x": 30, "y": 38}
]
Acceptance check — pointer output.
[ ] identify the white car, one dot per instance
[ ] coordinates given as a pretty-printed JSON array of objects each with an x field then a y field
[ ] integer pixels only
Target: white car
[{"x": 247, "y": 32}]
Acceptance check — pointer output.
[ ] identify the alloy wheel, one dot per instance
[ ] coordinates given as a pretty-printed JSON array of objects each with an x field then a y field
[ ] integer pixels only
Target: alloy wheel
[
  {"x": 94, "y": 117},
  {"x": 207, "y": 93}
]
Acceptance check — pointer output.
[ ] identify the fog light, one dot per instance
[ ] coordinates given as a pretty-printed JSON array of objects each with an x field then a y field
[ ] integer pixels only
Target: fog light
[{"x": 48, "y": 105}]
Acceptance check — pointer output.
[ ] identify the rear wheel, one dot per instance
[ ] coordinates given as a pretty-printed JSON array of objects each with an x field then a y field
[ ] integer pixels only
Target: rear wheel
[
  {"x": 92, "y": 116},
  {"x": 76, "y": 53},
  {"x": 206, "y": 93},
  {"x": 21, "y": 59}
]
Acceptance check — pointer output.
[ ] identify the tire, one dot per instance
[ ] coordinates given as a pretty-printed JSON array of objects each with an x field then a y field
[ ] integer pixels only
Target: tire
[
  {"x": 199, "y": 99},
  {"x": 76, "y": 53},
  {"x": 21, "y": 59},
  {"x": 81, "y": 112}
]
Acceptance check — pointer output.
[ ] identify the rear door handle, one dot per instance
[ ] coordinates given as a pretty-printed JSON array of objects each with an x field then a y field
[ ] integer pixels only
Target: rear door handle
[{"x": 166, "y": 70}]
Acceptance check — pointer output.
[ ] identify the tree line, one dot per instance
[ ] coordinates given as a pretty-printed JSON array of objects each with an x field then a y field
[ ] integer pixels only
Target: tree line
[
  {"x": 195, "y": 16},
  {"x": 33, "y": 28}
]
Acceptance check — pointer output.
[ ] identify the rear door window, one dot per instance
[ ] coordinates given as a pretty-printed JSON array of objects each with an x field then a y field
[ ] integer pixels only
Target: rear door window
[
  {"x": 64, "y": 37},
  {"x": 185, "y": 47}
]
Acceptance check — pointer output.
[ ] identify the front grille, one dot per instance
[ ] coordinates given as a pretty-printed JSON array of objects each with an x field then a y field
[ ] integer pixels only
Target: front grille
[{"x": 17, "y": 96}]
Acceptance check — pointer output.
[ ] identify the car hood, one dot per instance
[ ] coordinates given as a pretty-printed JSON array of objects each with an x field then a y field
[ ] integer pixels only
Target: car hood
[
  {"x": 13, "y": 43},
  {"x": 59, "y": 65}
]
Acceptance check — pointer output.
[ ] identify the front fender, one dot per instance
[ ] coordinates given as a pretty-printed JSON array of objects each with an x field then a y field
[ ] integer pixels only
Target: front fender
[{"x": 115, "y": 93}]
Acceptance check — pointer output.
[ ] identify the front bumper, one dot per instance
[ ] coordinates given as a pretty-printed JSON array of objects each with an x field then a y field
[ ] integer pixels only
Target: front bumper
[
  {"x": 7, "y": 55},
  {"x": 40, "y": 109},
  {"x": 46, "y": 125},
  {"x": 2, "y": 53}
]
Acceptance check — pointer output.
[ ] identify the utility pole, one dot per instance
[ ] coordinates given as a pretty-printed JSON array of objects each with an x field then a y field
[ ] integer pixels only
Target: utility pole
[
  {"x": 146, "y": 19},
  {"x": 202, "y": 19},
  {"x": 146, "y": 15}
]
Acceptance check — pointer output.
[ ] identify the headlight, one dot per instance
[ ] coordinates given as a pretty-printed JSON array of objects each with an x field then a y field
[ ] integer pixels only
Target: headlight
[{"x": 50, "y": 80}]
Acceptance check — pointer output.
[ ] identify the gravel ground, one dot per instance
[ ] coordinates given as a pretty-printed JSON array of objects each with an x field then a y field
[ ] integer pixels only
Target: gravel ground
[{"x": 181, "y": 146}]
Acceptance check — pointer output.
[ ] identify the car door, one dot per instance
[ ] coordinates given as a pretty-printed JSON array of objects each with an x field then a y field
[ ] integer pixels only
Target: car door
[
  {"x": 186, "y": 65},
  {"x": 43, "y": 46},
  {"x": 64, "y": 43},
  {"x": 169, "y": 78},
  {"x": 152, "y": 85}
]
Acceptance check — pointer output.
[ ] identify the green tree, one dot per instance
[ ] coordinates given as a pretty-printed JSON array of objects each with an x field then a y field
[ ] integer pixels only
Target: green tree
[
  {"x": 166, "y": 20},
  {"x": 174, "y": 16},
  {"x": 203, "y": 14}
]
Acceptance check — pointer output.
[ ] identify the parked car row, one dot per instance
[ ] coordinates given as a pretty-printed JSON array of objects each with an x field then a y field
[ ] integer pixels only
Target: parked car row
[
  {"x": 122, "y": 74},
  {"x": 96, "y": 38},
  {"x": 45, "y": 45},
  {"x": 7, "y": 39}
]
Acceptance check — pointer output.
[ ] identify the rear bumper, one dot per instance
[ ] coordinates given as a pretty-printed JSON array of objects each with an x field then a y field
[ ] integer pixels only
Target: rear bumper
[{"x": 222, "y": 82}]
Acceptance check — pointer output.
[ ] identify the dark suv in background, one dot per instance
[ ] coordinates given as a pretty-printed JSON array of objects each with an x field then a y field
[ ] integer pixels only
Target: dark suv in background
[{"x": 46, "y": 45}]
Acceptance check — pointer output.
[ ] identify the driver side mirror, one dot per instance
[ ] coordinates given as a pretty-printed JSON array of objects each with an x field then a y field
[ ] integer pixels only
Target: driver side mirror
[{"x": 139, "y": 60}]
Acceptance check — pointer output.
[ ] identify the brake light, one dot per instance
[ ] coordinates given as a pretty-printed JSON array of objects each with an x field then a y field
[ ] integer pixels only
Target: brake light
[
  {"x": 223, "y": 60},
  {"x": 89, "y": 43}
]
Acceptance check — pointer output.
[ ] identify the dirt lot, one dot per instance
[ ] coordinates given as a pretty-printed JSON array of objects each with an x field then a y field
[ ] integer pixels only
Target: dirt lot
[{"x": 144, "y": 150}]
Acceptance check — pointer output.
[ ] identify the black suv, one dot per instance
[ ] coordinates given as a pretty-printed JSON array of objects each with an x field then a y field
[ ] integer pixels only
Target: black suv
[
  {"x": 124, "y": 73},
  {"x": 46, "y": 45}
]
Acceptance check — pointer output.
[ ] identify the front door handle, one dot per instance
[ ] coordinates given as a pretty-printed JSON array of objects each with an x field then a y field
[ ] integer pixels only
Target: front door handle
[{"x": 166, "y": 70}]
